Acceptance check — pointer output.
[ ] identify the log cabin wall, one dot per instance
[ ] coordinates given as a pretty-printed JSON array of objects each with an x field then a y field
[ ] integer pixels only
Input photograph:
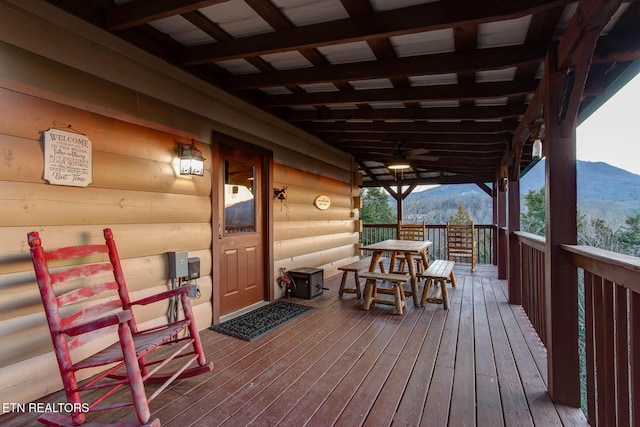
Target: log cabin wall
[{"x": 134, "y": 108}]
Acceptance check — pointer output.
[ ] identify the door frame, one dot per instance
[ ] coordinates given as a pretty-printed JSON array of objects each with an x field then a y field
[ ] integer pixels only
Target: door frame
[{"x": 219, "y": 139}]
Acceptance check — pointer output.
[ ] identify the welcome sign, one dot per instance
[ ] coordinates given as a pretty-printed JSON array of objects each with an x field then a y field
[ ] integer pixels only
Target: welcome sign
[{"x": 67, "y": 158}]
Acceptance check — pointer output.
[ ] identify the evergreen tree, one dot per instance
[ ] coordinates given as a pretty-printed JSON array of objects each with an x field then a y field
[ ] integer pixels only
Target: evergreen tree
[
  {"x": 630, "y": 235},
  {"x": 375, "y": 207},
  {"x": 534, "y": 219},
  {"x": 461, "y": 216}
]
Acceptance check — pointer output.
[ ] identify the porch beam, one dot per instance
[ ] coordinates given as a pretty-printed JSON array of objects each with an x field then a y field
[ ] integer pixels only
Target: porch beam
[
  {"x": 466, "y": 91},
  {"x": 566, "y": 72},
  {"x": 484, "y": 187},
  {"x": 415, "y": 113},
  {"x": 139, "y": 12},
  {"x": 501, "y": 241},
  {"x": 513, "y": 224},
  {"x": 379, "y": 25},
  {"x": 561, "y": 278}
]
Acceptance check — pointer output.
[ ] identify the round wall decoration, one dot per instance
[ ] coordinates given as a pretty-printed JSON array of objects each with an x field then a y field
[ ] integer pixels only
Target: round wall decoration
[{"x": 322, "y": 202}]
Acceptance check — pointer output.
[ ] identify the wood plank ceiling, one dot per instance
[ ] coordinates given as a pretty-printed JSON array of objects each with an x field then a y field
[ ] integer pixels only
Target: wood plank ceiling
[{"x": 444, "y": 83}]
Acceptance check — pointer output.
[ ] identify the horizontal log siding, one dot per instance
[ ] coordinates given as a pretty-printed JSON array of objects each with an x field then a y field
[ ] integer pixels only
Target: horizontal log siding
[
  {"x": 135, "y": 191},
  {"x": 134, "y": 110},
  {"x": 305, "y": 236}
]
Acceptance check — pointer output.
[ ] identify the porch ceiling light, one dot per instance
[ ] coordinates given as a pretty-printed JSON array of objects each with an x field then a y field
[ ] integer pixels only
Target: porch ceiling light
[
  {"x": 191, "y": 160},
  {"x": 398, "y": 163}
]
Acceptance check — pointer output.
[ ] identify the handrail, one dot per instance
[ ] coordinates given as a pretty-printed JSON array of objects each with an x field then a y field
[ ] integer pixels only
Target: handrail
[
  {"x": 533, "y": 240},
  {"x": 485, "y": 235},
  {"x": 600, "y": 262}
]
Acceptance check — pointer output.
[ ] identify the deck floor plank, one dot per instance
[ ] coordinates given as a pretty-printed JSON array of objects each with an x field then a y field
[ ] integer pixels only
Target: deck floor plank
[
  {"x": 350, "y": 328},
  {"x": 436, "y": 408},
  {"x": 463, "y": 395},
  {"x": 488, "y": 407},
  {"x": 514, "y": 403},
  {"x": 478, "y": 363},
  {"x": 359, "y": 407}
]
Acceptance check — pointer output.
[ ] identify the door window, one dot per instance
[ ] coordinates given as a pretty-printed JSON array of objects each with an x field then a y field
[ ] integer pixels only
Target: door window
[{"x": 239, "y": 197}]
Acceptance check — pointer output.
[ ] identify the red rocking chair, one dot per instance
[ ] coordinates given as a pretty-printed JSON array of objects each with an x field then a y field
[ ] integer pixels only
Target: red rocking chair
[{"x": 90, "y": 300}]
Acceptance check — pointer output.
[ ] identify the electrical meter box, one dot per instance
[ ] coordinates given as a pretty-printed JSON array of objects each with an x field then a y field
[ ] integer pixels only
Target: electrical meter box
[
  {"x": 178, "y": 264},
  {"x": 309, "y": 282}
]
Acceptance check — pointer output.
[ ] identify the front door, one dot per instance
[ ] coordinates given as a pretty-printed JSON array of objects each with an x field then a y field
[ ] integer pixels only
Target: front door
[{"x": 242, "y": 234}]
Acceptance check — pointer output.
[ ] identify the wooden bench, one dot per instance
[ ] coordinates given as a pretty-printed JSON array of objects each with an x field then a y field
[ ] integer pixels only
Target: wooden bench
[
  {"x": 439, "y": 272},
  {"x": 371, "y": 289},
  {"x": 356, "y": 268}
]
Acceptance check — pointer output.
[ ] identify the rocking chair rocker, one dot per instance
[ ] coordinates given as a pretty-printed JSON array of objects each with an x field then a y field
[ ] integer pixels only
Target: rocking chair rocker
[{"x": 91, "y": 301}]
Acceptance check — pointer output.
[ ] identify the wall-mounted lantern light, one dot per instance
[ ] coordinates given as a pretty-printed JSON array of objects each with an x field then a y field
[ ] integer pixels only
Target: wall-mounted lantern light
[
  {"x": 536, "y": 150},
  {"x": 191, "y": 160}
]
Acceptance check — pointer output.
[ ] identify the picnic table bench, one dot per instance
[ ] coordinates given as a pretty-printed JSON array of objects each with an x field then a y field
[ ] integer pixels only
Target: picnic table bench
[
  {"x": 371, "y": 289},
  {"x": 356, "y": 268},
  {"x": 439, "y": 272}
]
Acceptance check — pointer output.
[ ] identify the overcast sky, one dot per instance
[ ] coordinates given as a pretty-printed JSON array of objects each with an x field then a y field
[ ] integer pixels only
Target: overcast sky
[{"x": 611, "y": 134}]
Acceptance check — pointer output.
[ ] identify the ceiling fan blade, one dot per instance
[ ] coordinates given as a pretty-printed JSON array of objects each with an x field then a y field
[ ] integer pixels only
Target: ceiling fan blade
[
  {"x": 416, "y": 152},
  {"x": 425, "y": 158}
]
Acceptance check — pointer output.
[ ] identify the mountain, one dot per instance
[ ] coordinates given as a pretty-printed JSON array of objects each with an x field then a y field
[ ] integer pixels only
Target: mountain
[{"x": 604, "y": 191}]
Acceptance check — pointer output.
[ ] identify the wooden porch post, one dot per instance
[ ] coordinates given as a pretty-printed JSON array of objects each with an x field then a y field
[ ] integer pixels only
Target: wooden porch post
[
  {"x": 561, "y": 277},
  {"x": 399, "y": 204},
  {"x": 515, "y": 283},
  {"x": 500, "y": 203}
]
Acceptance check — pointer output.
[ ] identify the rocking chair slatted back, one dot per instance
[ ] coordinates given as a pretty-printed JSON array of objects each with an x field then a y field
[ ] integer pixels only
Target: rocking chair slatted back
[{"x": 85, "y": 298}]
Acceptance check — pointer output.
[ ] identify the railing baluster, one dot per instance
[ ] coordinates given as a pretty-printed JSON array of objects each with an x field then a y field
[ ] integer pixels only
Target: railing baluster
[
  {"x": 634, "y": 325},
  {"x": 622, "y": 355},
  {"x": 589, "y": 323}
]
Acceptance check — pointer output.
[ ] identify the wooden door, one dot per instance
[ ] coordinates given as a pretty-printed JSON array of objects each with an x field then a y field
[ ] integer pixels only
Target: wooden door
[{"x": 242, "y": 234}]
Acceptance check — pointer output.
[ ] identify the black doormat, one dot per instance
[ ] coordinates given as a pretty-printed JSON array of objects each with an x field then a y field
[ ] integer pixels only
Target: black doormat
[{"x": 253, "y": 324}]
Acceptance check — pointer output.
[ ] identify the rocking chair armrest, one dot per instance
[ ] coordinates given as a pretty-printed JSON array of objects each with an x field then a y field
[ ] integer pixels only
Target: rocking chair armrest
[
  {"x": 161, "y": 296},
  {"x": 102, "y": 322}
]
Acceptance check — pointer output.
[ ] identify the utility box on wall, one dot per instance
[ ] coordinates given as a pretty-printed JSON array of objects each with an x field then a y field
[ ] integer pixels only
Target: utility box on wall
[{"x": 309, "y": 282}]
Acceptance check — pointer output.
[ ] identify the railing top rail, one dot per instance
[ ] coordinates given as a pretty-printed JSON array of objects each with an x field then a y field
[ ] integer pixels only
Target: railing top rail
[
  {"x": 426, "y": 225},
  {"x": 619, "y": 268},
  {"x": 530, "y": 239}
]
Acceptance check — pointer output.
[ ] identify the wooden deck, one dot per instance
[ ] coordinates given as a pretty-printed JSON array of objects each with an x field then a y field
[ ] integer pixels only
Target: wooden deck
[{"x": 480, "y": 363}]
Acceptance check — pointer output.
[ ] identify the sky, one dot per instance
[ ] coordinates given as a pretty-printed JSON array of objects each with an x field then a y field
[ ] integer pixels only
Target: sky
[{"x": 608, "y": 134}]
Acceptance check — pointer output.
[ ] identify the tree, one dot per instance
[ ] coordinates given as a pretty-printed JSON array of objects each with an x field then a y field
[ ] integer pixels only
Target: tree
[
  {"x": 375, "y": 207},
  {"x": 461, "y": 216},
  {"x": 534, "y": 219},
  {"x": 630, "y": 235}
]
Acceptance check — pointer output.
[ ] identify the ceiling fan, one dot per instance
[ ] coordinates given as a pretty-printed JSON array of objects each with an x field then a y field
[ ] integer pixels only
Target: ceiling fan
[{"x": 401, "y": 160}]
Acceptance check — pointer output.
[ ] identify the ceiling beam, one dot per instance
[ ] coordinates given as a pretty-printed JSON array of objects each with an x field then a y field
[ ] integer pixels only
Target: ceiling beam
[
  {"x": 452, "y": 179},
  {"x": 440, "y": 63},
  {"x": 412, "y": 127},
  {"x": 418, "y": 138},
  {"x": 139, "y": 12},
  {"x": 367, "y": 146},
  {"x": 395, "y": 22},
  {"x": 415, "y": 113},
  {"x": 461, "y": 91}
]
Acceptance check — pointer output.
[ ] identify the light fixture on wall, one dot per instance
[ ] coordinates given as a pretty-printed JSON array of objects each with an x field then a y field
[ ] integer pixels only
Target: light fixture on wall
[
  {"x": 536, "y": 150},
  {"x": 191, "y": 160}
]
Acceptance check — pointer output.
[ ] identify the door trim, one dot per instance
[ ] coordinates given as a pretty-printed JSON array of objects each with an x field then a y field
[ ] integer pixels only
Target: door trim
[{"x": 217, "y": 140}]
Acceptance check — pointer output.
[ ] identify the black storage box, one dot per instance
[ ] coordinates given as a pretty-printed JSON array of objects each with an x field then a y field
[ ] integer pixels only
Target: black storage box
[{"x": 308, "y": 282}]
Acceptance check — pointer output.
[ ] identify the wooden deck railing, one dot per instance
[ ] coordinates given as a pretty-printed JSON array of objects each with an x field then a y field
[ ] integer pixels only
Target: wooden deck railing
[
  {"x": 532, "y": 248},
  {"x": 372, "y": 233},
  {"x": 609, "y": 324},
  {"x": 612, "y": 334}
]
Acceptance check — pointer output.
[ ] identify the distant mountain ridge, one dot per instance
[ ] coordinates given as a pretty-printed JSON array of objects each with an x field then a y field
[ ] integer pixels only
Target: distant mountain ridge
[{"x": 604, "y": 191}]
